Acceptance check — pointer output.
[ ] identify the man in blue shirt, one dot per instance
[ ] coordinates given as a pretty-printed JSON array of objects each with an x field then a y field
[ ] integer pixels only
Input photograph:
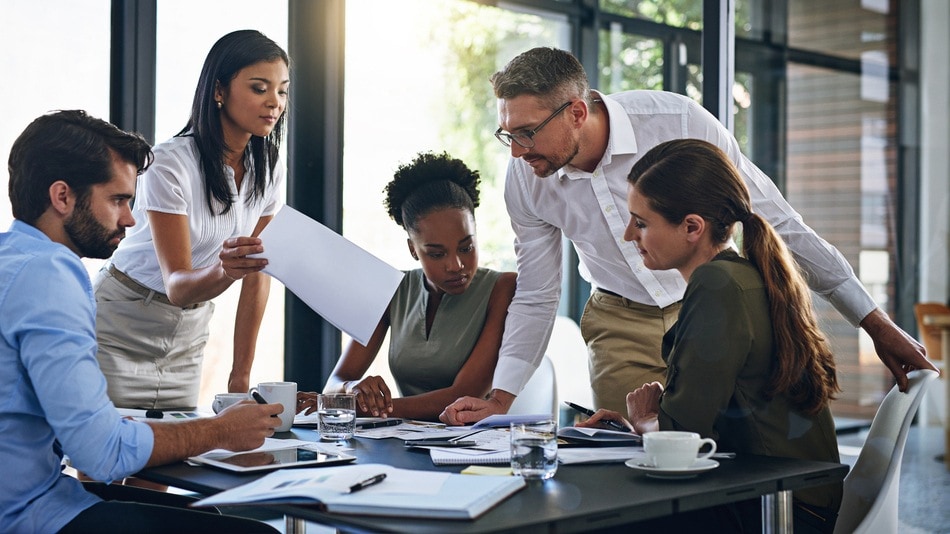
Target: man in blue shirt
[{"x": 72, "y": 178}]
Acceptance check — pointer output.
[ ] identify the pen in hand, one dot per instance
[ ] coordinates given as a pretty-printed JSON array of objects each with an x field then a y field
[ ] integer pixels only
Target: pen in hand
[
  {"x": 259, "y": 398},
  {"x": 588, "y": 412},
  {"x": 367, "y": 483}
]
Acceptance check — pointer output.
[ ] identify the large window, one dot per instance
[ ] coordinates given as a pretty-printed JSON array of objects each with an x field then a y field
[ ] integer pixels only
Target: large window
[
  {"x": 428, "y": 90},
  {"x": 61, "y": 63}
]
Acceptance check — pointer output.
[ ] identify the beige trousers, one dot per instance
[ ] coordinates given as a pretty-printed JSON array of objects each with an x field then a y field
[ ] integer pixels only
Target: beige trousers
[
  {"x": 150, "y": 352},
  {"x": 624, "y": 340}
]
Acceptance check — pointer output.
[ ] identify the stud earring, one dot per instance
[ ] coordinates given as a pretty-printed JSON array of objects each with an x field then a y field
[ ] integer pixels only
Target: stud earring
[{"x": 220, "y": 104}]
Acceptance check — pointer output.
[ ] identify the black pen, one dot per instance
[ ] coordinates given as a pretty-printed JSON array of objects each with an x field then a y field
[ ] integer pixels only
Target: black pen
[
  {"x": 588, "y": 412},
  {"x": 379, "y": 424},
  {"x": 368, "y": 482},
  {"x": 259, "y": 398}
]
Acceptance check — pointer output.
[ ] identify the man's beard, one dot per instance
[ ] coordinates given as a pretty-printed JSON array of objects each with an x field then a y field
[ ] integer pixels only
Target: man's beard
[
  {"x": 556, "y": 162},
  {"x": 90, "y": 237}
]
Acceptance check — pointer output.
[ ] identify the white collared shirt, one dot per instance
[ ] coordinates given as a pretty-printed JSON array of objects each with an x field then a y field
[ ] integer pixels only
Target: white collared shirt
[
  {"x": 590, "y": 209},
  {"x": 174, "y": 183}
]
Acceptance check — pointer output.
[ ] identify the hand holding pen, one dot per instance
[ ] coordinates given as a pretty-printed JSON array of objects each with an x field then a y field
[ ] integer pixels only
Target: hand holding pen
[{"x": 588, "y": 412}]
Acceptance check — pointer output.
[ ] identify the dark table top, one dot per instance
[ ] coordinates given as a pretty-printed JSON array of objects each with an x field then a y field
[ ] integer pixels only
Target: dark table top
[{"x": 578, "y": 498}]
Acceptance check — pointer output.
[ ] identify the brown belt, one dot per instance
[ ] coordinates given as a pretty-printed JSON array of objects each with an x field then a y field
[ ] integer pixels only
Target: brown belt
[{"x": 149, "y": 294}]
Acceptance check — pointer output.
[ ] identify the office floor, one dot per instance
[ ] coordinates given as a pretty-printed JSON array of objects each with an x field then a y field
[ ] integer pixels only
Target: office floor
[{"x": 924, "y": 489}]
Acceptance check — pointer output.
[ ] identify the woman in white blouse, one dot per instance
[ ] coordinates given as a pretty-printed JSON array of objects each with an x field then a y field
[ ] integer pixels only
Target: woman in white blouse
[{"x": 199, "y": 209}]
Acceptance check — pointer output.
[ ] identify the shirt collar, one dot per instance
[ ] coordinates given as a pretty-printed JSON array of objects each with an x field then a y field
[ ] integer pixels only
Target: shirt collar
[
  {"x": 621, "y": 140},
  {"x": 28, "y": 229}
]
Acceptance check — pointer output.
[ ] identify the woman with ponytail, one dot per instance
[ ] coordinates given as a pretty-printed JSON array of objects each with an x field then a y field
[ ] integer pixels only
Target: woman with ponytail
[{"x": 747, "y": 363}]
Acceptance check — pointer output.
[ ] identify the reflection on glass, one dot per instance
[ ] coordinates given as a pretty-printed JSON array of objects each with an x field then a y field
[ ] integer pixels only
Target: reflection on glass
[
  {"x": 841, "y": 178},
  {"x": 629, "y": 61},
  {"x": 679, "y": 13},
  {"x": 845, "y": 29}
]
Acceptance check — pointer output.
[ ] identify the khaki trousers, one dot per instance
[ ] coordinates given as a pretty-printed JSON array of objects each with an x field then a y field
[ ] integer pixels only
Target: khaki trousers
[
  {"x": 150, "y": 352},
  {"x": 624, "y": 340}
]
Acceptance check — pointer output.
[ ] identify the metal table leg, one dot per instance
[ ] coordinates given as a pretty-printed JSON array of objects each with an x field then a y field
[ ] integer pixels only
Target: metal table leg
[{"x": 777, "y": 513}]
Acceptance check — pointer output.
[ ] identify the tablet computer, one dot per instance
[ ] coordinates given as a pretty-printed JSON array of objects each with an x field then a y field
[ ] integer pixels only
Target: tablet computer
[{"x": 246, "y": 462}]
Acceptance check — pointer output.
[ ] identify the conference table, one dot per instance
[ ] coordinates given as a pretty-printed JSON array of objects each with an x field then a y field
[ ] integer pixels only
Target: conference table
[{"x": 580, "y": 497}]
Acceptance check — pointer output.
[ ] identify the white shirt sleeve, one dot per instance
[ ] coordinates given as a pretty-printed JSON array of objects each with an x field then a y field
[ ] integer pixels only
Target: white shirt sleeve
[{"x": 534, "y": 306}]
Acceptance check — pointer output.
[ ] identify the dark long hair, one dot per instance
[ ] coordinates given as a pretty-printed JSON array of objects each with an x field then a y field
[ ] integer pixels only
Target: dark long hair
[
  {"x": 687, "y": 176},
  {"x": 70, "y": 146},
  {"x": 430, "y": 182},
  {"x": 229, "y": 55}
]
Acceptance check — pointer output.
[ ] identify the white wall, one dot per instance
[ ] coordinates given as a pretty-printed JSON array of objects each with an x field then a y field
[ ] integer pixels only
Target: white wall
[{"x": 935, "y": 150}]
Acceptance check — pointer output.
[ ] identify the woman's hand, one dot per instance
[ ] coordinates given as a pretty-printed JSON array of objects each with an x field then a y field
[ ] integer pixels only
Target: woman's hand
[
  {"x": 643, "y": 407},
  {"x": 234, "y": 261},
  {"x": 601, "y": 416},
  {"x": 306, "y": 400},
  {"x": 372, "y": 396}
]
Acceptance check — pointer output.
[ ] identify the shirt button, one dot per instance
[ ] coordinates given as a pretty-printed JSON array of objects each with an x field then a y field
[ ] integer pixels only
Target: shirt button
[
  {"x": 609, "y": 209},
  {"x": 656, "y": 293}
]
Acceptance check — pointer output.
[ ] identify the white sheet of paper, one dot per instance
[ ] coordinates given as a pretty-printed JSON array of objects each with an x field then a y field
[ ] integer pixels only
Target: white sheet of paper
[{"x": 346, "y": 285}]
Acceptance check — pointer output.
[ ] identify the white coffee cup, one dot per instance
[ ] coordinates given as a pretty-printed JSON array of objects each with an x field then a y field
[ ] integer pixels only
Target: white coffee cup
[
  {"x": 669, "y": 449},
  {"x": 283, "y": 393},
  {"x": 223, "y": 400}
]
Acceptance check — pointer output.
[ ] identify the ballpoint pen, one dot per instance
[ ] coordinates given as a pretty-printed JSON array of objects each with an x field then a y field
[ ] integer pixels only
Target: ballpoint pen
[
  {"x": 367, "y": 483},
  {"x": 259, "y": 398},
  {"x": 588, "y": 412},
  {"x": 379, "y": 424}
]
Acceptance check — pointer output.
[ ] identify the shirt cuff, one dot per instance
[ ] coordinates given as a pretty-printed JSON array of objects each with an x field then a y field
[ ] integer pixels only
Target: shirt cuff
[
  {"x": 511, "y": 374},
  {"x": 852, "y": 301}
]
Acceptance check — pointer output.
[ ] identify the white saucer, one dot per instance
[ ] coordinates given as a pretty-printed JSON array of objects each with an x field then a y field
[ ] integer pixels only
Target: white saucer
[{"x": 700, "y": 466}]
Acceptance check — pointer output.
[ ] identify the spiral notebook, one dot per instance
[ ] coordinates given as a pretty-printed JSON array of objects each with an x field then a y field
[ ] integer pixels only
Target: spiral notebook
[{"x": 492, "y": 447}]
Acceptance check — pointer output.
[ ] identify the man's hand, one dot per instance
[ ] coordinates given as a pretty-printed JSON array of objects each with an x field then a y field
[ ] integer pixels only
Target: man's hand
[
  {"x": 246, "y": 424},
  {"x": 467, "y": 410},
  {"x": 899, "y": 351}
]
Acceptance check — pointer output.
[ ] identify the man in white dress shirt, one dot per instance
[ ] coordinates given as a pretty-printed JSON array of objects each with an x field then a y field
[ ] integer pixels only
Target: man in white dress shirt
[{"x": 572, "y": 149}]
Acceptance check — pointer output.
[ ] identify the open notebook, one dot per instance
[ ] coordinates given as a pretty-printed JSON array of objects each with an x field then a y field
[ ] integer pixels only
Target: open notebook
[{"x": 403, "y": 492}]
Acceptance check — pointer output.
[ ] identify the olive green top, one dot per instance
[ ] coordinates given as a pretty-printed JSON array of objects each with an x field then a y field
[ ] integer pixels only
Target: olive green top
[
  {"x": 421, "y": 363},
  {"x": 720, "y": 356}
]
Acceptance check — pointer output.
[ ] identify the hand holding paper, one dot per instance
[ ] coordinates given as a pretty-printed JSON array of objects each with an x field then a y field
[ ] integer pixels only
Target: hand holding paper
[{"x": 346, "y": 285}]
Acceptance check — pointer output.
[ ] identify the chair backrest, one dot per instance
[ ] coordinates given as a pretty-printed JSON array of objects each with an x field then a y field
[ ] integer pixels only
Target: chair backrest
[
  {"x": 568, "y": 352},
  {"x": 539, "y": 395},
  {"x": 930, "y": 336},
  {"x": 871, "y": 488}
]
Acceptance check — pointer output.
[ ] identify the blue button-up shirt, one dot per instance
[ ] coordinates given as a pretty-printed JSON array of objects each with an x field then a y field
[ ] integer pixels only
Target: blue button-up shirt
[{"x": 51, "y": 388}]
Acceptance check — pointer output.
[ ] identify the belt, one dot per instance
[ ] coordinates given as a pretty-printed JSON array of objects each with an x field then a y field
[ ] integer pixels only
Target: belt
[
  {"x": 149, "y": 294},
  {"x": 602, "y": 290}
]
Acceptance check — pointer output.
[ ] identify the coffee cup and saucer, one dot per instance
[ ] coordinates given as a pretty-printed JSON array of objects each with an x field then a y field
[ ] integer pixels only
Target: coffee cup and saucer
[{"x": 674, "y": 455}]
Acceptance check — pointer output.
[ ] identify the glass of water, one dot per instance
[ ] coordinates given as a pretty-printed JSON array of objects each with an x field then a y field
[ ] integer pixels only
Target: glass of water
[
  {"x": 336, "y": 416},
  {"x": 534, "y": 449}
]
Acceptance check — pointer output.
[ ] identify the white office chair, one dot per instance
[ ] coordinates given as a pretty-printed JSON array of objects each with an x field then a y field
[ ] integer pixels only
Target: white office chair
[
  {"x": 871, "y": 488},
  {"x": 539, "y": 395},
  {"x": 568, "y": 352}
]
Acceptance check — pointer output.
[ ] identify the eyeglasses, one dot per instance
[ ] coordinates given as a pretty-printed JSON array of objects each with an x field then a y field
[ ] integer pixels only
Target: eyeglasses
[{"x": 525, "y": 138}]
